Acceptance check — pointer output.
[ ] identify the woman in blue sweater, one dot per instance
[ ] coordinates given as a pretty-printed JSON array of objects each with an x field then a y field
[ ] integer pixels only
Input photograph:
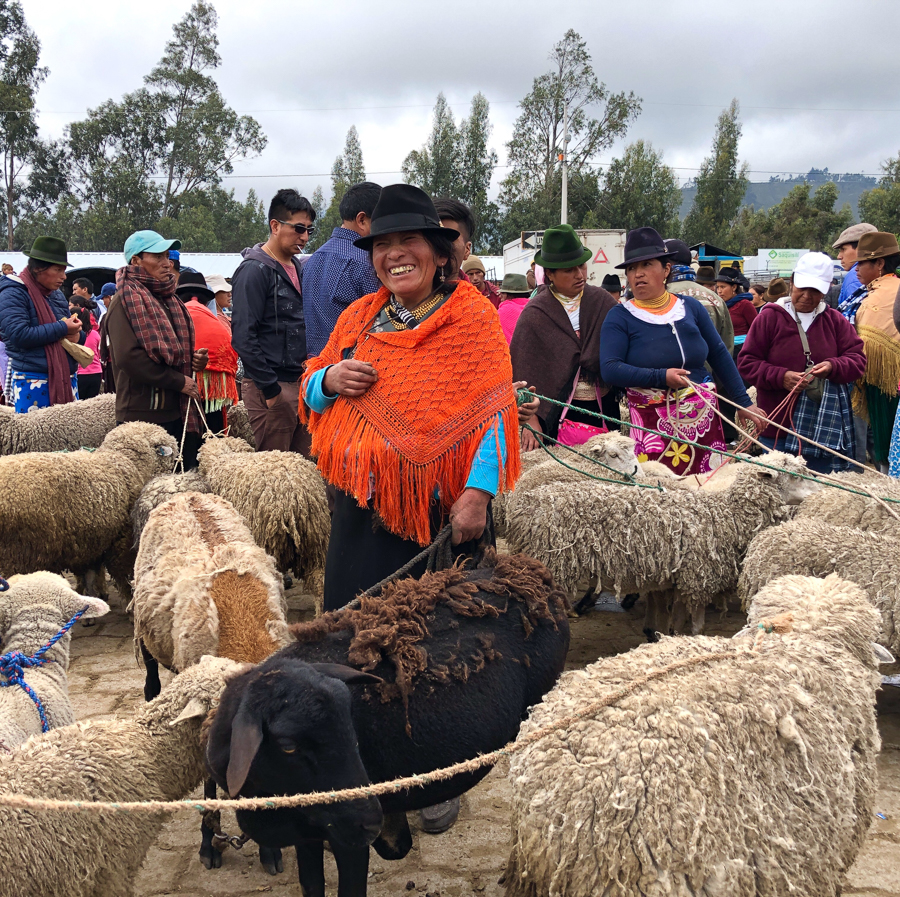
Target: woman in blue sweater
[{"x": 652, "y": 346}]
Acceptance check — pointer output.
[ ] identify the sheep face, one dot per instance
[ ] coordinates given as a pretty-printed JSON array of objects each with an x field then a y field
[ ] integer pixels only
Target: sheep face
[
  {"x": 149, "y": 447},
  {"x": 793, "y": 486},
  {"x": 285, "y": 728},
  {"x": 613, "y": 449},
  {"x": 45, "y": 596}
]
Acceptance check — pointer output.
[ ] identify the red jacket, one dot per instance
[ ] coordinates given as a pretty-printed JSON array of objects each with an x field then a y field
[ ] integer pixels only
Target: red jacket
[
  {"x": 773, "y": 348},
  {"x": 743, "y": 314}
]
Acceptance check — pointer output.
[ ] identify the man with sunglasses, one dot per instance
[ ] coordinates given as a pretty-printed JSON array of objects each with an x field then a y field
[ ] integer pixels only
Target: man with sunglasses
[{"x": 268, "y": 327}]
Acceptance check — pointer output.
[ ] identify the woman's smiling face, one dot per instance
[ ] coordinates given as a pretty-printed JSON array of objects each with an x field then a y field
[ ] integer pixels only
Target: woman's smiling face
[{"x": 406, "y": 264}]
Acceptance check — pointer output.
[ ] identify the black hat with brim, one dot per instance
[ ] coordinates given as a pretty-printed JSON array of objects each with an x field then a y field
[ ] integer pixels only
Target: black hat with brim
[
  {"x": 194, "y": 283},
  {"x": 644, "y": 244},
  {"x": 48, "y": 249},
  {"x": 612, "y": 284},
  {"x": 730, "y": 275},
  {"x": 562, "y": 248},
  {"x": 402, "y": 208}
]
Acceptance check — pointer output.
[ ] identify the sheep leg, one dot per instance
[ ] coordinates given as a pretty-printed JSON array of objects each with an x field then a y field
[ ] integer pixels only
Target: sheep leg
[
  {"x": 311, "y": 867},
  {"x": 209, "y": 856},
  {"x": 270, "y": 857},
  {"x": 353, "y": 871},
  {"x": 152, "y": 685},
  {"x": 679, "y": 616},
  {"x": 698, "y": 620},
  {"x": 656, "y": 608}
]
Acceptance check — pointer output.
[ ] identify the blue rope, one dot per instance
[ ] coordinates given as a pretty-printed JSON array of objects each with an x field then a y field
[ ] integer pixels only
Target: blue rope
[{"x": 14, "y": 663}]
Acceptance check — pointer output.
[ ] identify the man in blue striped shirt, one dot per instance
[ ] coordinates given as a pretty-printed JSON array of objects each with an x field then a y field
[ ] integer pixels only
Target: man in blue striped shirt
[{"x": 339, "y": 273}]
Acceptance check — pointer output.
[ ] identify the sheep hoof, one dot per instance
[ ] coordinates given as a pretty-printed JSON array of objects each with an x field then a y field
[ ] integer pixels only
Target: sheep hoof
[
  {"x": 629, "y": 601},
  {"x": 270, "y": 857},
  {"x": 586, "y": 603},
  {"x": 288, "y": 581},
  {"x": 210, "y": 857},
  {"x": 652, "y": 635}
]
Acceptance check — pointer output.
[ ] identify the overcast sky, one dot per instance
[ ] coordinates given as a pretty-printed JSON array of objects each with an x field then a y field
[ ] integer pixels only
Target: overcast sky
[{"x": 816, "y": 83}]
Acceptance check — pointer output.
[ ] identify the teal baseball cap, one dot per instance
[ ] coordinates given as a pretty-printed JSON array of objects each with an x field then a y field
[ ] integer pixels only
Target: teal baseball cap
[{"x": 147, "y": 241}]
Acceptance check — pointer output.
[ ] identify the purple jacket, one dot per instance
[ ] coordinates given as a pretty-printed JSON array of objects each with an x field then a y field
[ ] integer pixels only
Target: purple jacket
[{"x": 773, "y": 348}]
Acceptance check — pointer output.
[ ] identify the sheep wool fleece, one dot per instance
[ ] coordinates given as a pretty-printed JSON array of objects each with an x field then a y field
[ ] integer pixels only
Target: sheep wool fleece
[
  {"x": 59, "y": 428},
  {"x": 743, "y": 777},
  {"x": 67, "y": 511},
  {"x": 816, "y": 548},
  {"x": 161, "y": 489},
  {"x": 280, "y": 495},
  {"x": 859, "y": 511},
  {"x": 201, "y": 584},
  {"x": 156, "y": 755}
]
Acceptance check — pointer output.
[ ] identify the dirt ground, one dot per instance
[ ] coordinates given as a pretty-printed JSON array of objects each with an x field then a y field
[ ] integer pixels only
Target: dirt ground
[{"x": 105, "y": 681}]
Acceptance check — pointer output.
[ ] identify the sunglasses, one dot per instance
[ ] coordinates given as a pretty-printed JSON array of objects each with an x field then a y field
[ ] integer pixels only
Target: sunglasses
[{"x": 301, "y": 229}]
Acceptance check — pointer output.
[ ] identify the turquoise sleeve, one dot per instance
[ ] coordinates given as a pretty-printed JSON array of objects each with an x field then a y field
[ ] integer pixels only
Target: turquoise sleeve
[
  {"x": 488, "y": 460},
  {"x": 314, "y": 394}
]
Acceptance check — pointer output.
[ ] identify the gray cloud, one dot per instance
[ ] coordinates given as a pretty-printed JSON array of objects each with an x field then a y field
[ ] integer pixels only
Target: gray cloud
[{"x": 788, "y": 63}]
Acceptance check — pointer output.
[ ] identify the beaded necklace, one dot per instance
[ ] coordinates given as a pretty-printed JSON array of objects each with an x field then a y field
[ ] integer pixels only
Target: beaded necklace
[
  {"x": 660, "y": 304},
  {"x": 401, "y": 316}
]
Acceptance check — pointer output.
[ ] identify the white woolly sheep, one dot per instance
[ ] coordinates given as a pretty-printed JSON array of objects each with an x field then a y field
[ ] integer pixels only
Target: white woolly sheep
[
  {"x": 740, "y": 776},
  {"x": 72, "y": 511},
  {"x": 816, "y": 548},
  {"x": 238, "y": 422},
  {"x": 33, "y": 610},
  {"x": 843, "y": 508},
  {"x": 203, "y": 586},
  {"x": 161, "y": 489},
  {"x": 610, "y": 449},
  {"x": 628, "y": 539},
  {"x": 157, "y": 755},
  {"x": 281, "y": 495},
  {"x": 68, "y": 427}
]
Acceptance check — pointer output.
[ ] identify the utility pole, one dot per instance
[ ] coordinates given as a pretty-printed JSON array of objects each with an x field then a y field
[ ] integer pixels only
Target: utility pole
[{"x": 564, "y": 216}]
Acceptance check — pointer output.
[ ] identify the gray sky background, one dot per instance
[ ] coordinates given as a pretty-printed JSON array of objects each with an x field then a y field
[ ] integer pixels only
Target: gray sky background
[{"x": 817, "y": 80}]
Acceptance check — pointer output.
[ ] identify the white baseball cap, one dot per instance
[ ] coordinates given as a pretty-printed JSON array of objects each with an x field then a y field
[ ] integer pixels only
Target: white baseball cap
[
  {"x": 218, "y": 284},
  {"x": 816, "y": 270}
]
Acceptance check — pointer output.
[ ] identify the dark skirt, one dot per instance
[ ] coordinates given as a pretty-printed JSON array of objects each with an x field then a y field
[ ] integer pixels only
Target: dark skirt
[{"x": 361, "y": 552}]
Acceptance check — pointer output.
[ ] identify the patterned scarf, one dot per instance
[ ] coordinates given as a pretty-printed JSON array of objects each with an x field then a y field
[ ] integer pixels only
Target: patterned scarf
[
  {"x": 167, "y": 338},
  {"x": 440, "y": 386},
  {"x": 849, "y": 307},
  {"x": 59, "y": 379},
  {"x": 682, "y": 272}
]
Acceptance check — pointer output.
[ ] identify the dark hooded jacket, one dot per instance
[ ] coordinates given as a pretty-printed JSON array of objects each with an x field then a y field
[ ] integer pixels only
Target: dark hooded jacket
[
  {"x": 267, "y": 327},
  {"x": 25, "y": 338}
]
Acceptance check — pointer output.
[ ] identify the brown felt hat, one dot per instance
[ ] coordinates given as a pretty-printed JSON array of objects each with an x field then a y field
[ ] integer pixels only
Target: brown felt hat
[
  {"x": 876, "y": 245},
  {"x": 777, "y": 289},
  {"x": 706, "y": 274}
]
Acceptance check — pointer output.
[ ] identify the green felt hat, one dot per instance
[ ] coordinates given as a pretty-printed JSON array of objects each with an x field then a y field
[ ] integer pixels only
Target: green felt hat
[
  {"x": 561, "y": 248},
  {"x": 515, "y": 285},
  {"x": 48, "y": 249}
]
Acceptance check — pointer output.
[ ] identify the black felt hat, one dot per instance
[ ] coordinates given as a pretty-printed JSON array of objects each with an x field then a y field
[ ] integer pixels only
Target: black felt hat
[
  {"x": 681, "y": 255},
  {"x": 612, "y": 284},
  {"x": 192, "y": 282},
  {"x": 643, "y": 244},
  {"x": 403, "y": 207},
  {"x": 730, "y": 275}
]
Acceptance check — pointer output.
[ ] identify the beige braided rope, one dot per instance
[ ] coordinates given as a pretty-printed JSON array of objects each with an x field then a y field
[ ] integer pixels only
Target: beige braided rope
[{"x": 25, "y": 802}]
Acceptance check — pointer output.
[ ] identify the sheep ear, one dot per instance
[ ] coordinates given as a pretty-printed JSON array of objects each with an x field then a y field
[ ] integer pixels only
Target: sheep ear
[
  {"x": 96, "y": 607},
  {"x": 345, "y": 673},
  {"x": 246, "y": 737},
  {"x": 882, "y": 655},
  {"x": 195, "y": 707}
]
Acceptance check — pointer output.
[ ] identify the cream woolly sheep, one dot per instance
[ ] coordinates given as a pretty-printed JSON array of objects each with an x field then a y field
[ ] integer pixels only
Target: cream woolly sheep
[
  {"x": 632, "y": 540},
  {"x": 71, "y": 511},
  {"x": 203, "y": 586},
  {"x": 239, "y": 424},
  {"x": 157, "y": 755},
  {"x": 32, "y": 611},
  {"x": 844, "y": 508},
  {"x": 281, "y": 495},
  {"x": 68, "y": 427},
  {"x": 749, "y": 775},
  {"x": 161, "y": 489},
  {"x": 816, "y": 548},
  {"x": 539, "y": 467}
]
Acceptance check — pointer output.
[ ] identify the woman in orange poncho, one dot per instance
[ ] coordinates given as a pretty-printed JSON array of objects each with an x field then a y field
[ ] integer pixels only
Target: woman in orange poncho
[
  {"x": 217, "y": 382},
  {"x": 410, "y": 404}
]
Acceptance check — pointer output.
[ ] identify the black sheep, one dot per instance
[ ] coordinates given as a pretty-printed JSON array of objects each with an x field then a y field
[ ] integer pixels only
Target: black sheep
[{"x": 450, "y": 665}]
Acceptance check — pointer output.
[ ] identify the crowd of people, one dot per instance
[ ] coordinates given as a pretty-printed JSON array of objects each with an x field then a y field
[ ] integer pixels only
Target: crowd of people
[{"x": 389, "y": 357}]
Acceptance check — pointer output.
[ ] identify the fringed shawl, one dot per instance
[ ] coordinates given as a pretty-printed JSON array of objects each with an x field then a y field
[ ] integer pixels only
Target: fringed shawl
[
  {"x": 440, "y": 387},
  {"x": 875, "y": 323}
]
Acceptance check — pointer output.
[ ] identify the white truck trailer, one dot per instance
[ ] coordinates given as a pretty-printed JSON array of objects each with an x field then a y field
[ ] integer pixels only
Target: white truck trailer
[{"x": 607, "y": 250}]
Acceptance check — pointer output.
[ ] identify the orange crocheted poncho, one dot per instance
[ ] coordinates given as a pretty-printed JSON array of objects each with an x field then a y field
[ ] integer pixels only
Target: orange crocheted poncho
[{"x": 440, "y": 387}]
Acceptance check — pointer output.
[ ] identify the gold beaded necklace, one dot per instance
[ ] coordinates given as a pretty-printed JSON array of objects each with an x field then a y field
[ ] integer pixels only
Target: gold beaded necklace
[
  {"x": 654, "y": 304},
  {"x": 419, "y": 312}
]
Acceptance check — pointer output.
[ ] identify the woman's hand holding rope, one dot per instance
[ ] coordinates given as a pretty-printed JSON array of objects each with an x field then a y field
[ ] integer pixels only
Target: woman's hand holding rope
[{"x": 468, "y": 516}]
